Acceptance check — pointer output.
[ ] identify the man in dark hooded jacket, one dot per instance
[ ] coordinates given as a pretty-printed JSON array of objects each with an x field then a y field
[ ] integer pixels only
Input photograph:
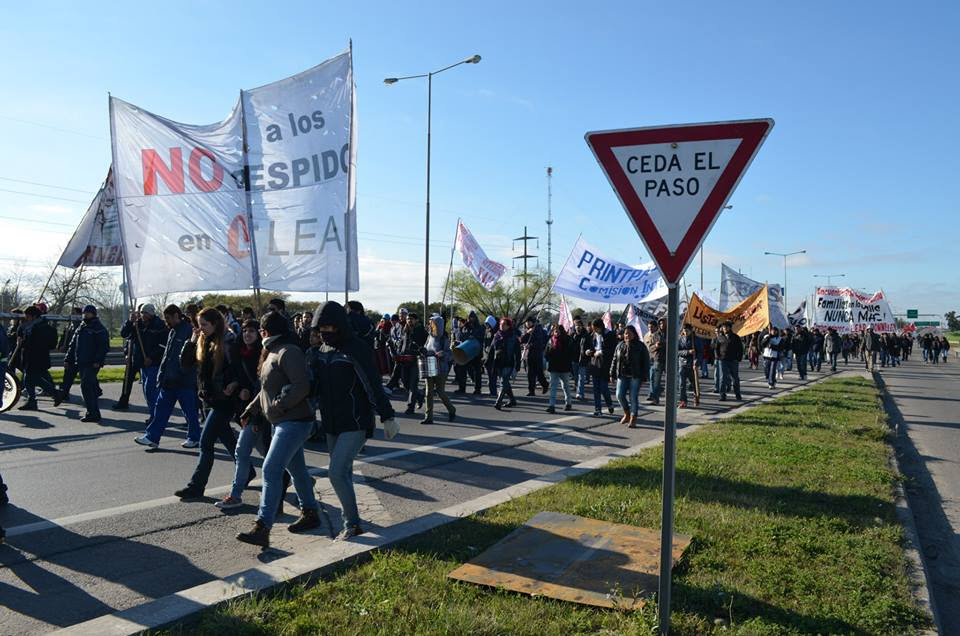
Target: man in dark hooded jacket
[
  {"x": 36, "y": 337},
  {"x": 348, "y": 389},
  {"x": 87, "y": 352}
]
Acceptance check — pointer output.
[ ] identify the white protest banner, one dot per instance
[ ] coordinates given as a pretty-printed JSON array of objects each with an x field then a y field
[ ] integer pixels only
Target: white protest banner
[
  {"x": 592, "y": 276},
  {"x": 798, "y": 318},
  {"x": 634, "y": 320},
  {"x": 96, "y": 241},
  {"x": 301, "y": 153},
  {"x": 486, "y": 272},
  {"x": 735, "y": 288},
  {"x": 180, "y": 202},
  {"x": 848, "y": 310}
]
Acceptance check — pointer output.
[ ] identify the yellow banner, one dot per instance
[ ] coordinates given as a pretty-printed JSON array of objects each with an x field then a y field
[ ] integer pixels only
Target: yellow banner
[{"x": 753, "y": 314}]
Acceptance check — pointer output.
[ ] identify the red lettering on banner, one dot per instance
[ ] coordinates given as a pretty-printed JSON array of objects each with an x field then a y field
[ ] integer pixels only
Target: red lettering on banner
[
  {"x": 197, "y": 176},
  {"x": 172, "y": 176},
  {"x": 238, "y": 227}
]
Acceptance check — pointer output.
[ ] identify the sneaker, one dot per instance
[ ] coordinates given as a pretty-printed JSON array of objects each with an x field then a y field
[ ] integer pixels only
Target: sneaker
[
  {"x": 427, "y": 420},
  {"x": 308, "y": 520},
  {"x": 189, "y": 492},
  {"x": 259, "y": 535},
  {"x": 568, "y": 407},
  {"x": 610, "y": 410},
  {"x": 596, "y": 413},
  {"x": 229, "y": 503},
  {"x": 143, "y": 440},
  {"x": 512, "y": 403},
  {"x": 349, "y": 532},
  {"x": 190, "y": 443},
  {"x": 90, "y": 418},
  {"x": 551, "y": 410}
]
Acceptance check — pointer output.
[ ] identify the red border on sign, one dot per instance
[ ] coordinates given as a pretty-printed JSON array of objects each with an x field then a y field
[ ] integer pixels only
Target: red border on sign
[{"x": 751, "y": 133}]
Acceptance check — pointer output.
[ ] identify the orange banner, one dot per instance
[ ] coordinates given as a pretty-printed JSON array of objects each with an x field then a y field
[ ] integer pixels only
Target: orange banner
[{"x": 753, "y": 314}]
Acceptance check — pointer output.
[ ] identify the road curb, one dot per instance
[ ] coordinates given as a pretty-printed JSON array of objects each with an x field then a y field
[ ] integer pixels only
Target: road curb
[
  {"x": 186, "y": 604},
  {"x": 917, "y": 569}
]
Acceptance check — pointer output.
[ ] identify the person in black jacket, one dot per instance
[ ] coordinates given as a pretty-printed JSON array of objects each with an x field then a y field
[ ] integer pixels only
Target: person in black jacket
[
  {"x": 490, "y": 329},
  {"x": 800, "y": 345},
  {"x": 686, "y": 355},
  {"x": 560, "y": 353},
  {"x": 146, "y": 333},
  {"x": 505, "y": 353},
  {"x": 631, "y": 365},
  {"x": 207, "y": 355},
  {"x": 534, "y": 341},
  {"x": 599, "y": 351},
  {"x": 472, "y": 370},
  {"x": 362, "y": 326},
  {"x": 729, "y": 348},
  {"x": 349, "y": 392},
  {"x": 35, "y": 338},
  {"x": 580, "y": 366},
  {"x": 87, "y": 353},
  {"x": 412, "y": 338}
]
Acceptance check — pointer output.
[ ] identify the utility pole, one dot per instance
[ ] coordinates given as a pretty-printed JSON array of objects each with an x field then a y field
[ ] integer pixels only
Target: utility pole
[
  {"x": 526, "y": 256},
  {"x": 549, "y": 222}
]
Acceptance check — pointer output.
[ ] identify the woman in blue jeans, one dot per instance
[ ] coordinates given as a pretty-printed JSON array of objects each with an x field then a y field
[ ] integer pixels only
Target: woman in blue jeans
[
  {"x": 631, "y": 364},
  {"x": 283, "y": 403},
  {"x": 207, "y": 352},
  {"x": 347, "y": 390}
]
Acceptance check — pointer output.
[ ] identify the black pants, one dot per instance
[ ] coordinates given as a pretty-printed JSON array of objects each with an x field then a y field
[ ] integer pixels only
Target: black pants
[
  {"x": 215, "y": 427},
  {"x": 69, "y": 377},
  {"x": 469, "y": 372},
  {"x": 535, "y": 372},
  {"x": 129, "y": 376},
  {"x": 90, "y": 388}
]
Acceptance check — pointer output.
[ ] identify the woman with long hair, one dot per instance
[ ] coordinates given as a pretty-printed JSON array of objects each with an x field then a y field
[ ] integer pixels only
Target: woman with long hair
[
  {"x": 207, "y": 352},
  {"x": 283, "y": 403},
  {"x": 437, "y": 346},
  {"x": 505, "y": 352},
  {"x": 631, "y": 364}
]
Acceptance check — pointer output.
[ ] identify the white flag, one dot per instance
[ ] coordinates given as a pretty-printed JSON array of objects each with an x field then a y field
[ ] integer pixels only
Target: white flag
[
  {"x": 486, "y": 272},
  {"x": 301, "y": 138},
  {"x": 633, "y": 319},
  {"x": 566, "y": 316},
  {"x": 97, "y": 242},
  {"x": 608, "y": 321},
  {"x": 180, "y": 201}
]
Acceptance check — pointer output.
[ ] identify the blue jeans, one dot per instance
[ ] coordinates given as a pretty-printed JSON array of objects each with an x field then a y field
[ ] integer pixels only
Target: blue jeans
[
  {"x": 343, "y": 449},
  {"x": 686, "y": 377},
  {"x": 655, "y": 379},
  {"x": 286, "y": 453},
  {"x": 41, "y": 377},
  {"x": 148, "y": 381},
  {"x": 770, "y": 370},
  {"x": 633, "y": 384},
  {"x": 562, "y": 380},
  {"x": 731, "y": 377},
  {"x": 216, "y": 427},
  {"x": 601, "y": 387},
  {"x": 90, "y": 388},
  {"x": 245, "y": 442},
  {"x": 187, "y": 397},
  {"x": 717, "y": 376},
  {"x": 582, "y": 371}
]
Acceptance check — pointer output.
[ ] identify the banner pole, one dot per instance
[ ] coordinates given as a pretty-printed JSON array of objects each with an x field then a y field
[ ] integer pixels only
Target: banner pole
[
  {"x": 669, "y": 462},
  {"x": 446, "y": 283},
  {"x": 351, "y": 188},
  {"x": 251, "y": 230}
]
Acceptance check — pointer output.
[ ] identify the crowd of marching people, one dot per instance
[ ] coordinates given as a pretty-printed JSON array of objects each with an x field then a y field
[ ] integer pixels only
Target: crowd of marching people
[{"x": 328, "y": 375}]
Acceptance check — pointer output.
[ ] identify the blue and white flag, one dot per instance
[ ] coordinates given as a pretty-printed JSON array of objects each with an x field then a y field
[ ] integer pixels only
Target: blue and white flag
[{"x": 590, "y": 275}]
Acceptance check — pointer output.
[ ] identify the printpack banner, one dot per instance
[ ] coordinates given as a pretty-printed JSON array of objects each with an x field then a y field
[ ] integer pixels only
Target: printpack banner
[
  {"x": 198, "y": 214},
  {"x": 735, "y": 288},
  {"x": 751, "y": 315},
  {"x": 848, "y": 310},
  {"x": 96, "y": 241},
  {"x": 486, "y": 272},
  {"x": 591, "y": 276}
]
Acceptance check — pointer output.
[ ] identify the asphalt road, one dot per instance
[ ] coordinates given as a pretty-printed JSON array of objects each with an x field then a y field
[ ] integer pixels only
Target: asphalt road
[
  {"x": 928, "y": 403},
  {"x": 93, "y": 526}
]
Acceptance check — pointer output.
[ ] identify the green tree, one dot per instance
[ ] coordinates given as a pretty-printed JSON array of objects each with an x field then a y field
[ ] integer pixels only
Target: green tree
[
  {"x": 510, "y": 299},
  {"x": 953, "y": 323}
]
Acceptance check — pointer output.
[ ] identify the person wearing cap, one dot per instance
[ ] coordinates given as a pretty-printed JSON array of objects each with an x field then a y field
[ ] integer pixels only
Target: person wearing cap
[
  {"x": 146, "y": 333},
  {"x": 88, "y": 352}
]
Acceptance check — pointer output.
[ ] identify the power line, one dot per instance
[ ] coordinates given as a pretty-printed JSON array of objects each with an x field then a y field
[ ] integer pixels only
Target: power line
[
  {"x": 41, "y": 125},
  {"x": 20, "y": 218},
  {"x": 46, "y": 185},
  {"x": 42, "y": 196}
]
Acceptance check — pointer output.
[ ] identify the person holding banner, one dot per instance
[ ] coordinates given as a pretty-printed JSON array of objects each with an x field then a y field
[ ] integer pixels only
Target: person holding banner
[
  {"x": 631, "y": 364},
  {"x": 146, "y": 333}
]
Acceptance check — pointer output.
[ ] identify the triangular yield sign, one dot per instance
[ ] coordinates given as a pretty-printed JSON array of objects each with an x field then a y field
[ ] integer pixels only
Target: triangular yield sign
[{"x": 674, "y": 180}]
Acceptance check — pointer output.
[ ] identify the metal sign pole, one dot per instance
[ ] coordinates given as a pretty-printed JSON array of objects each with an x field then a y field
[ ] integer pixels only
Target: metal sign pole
[{"x": 669, "y": 460}]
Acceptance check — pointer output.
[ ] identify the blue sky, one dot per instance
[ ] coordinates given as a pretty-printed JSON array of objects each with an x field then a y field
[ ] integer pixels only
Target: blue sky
[{"x": 856, "y": 171}]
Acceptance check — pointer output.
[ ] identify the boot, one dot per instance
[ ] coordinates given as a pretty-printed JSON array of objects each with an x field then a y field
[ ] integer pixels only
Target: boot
[
  {"x": 308, "y": 520},
  {"x": 259, "y": 535}
]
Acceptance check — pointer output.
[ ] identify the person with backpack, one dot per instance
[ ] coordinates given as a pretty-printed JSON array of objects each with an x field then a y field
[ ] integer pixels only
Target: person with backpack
[
  {"x": 35, "y": 339},
  {"x": 87, "y": 353}
]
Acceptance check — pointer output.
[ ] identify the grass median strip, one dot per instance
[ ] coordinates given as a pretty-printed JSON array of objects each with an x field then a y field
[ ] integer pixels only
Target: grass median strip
[
  {"x": 107, "y": 374},
  {"x": 791, "y": 510}
]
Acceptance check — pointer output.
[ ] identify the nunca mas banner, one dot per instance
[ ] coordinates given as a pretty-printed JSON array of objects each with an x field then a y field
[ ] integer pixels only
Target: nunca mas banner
[
  {"x": 751, "y": 315},
  {"x": 848, "y": 310},
  {"x": 590, "y": 275},
  {"x": 96, "y": 241},
  {"x": 198, "y": 213}
]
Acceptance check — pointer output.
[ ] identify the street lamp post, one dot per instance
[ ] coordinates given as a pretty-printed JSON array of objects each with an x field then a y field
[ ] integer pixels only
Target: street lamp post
[
  {"x": 426, "y": 243},
  {"x": 726, "y": 207},
  {"x": 828, "y": 277},
  {"x": 785, "y": 272}
]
